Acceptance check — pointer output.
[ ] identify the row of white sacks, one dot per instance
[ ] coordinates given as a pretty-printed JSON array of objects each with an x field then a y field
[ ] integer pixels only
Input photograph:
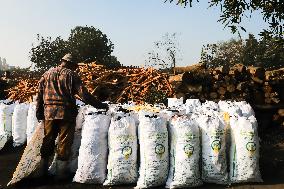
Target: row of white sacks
[
  {"x": 209, "y": 142},
  {"x": 17, "y": 122}
]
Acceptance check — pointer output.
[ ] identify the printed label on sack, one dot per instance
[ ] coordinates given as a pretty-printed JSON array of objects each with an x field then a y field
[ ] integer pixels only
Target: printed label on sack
[
  {"x": 159, "y": 139},
  {"x": 160, "y": 149},
  {"x": 125, "y": 142},
  {"x": 126, "y": 152},
  {"x": 250, "y": 145},
  {"x": 188, "y": 150},
  {"x": 216, "y": 136},
  {"x": 216, "y": 146}
]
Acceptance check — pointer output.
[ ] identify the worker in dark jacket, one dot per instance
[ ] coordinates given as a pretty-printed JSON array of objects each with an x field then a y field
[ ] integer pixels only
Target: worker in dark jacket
[{"x": 56, "y": 105}]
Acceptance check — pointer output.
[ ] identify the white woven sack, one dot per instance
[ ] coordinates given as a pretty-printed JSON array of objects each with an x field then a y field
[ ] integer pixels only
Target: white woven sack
[
  {"x": 154, "y": 155},
  {"x": 245, "y": 108},
  {"x": 184, "y": 153},
  {"x": 175, "y": 102},
  {"x": 191, "y": 105},
  {"x": 19, "y": 124},
  {"x": 92, "y": 160},
  {"x": 80, "y": 118},
  {"x": 230, "y": 107},
  {"x": 214, "y": 163},
  {"x": 122, "y": 159},
  {"x": 32, "y": 121},
  {"x": 210, "y": 105},
  {"x": 6, "y": 112},
  {"x": 244, "y": 152}
]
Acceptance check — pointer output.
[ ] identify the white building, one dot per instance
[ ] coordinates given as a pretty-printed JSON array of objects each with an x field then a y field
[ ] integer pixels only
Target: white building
[{"x": 3, "y": 64}]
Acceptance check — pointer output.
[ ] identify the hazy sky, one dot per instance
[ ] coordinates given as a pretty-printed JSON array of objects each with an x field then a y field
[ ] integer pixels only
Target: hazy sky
[{"x": 132, "y": 25}]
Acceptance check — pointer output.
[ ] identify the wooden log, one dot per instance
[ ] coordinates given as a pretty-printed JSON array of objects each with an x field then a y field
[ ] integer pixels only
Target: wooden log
[
  {"x": 257, "y": 80},
  {"x": 213, "y": 95},
  {"x": 222, "y": 91},
  {"x": 258, "y": 72},
  {"x": 231, "y": 88},
  {"x": 175, "y": 78},
  {"x": 242, "y": 86},
  {"x": 223, "y": 69},
  {"x": 194, "y": 88},
  {"x": 281, "y": 112},
  {"x": 187, "y": 77},
  {"x": 240, "y": 68},
  {"x": 218, "y": 77}
]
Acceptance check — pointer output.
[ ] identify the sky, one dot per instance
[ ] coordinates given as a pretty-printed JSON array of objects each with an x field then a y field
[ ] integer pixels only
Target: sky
[{"x": 132, "y": 25}]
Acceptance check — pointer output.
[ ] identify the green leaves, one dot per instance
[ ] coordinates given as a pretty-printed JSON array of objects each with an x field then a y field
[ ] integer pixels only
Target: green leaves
[
  {"x": 87, "y": 44},
  {"x": 233, "y": 12},
  {"x": 267, "y": 52}
]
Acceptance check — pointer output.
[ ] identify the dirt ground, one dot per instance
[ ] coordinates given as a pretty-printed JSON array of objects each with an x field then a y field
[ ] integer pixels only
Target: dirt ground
[{"x": 271, "y": 165}]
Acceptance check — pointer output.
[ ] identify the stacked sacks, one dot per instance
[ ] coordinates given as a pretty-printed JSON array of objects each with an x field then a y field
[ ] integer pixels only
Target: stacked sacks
[
  {"x": 19, "y": 124},
  {"x": 229, "y": 107},
  {"x": 185, "y": 139},
  {"x": 191, "y": 105},
  {"x": 175, "y": 102},
  {"x": 80, "y": 119},
  {"x": 122, "y": 142},
  {"x": 92, "y": 160},
  {"x": 154, "y": 155},
  {"x": 32, "y": 121},
  {"x": 214, "y": 163},
  {"x": 244, "y": 152},
  {"x": 245, "y": 108},
  {"x": 6, "y": 112},
  {"x": 184, "y": 153}
]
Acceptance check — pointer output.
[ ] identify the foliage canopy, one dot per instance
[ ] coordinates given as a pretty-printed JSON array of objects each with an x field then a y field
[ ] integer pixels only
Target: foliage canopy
[
  {"x": 87, "y": 44},
  {"x": 233, "y": 12},
  {"x": 267, "y": 52}
]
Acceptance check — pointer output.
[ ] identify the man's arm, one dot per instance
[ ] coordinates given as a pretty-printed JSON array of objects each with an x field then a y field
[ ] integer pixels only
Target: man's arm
[
  {"x": 39, "y": 100},
  {"x": 84, "y": 94}
]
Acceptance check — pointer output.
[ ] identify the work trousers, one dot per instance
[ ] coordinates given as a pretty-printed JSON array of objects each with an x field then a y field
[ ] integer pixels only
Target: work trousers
[{"x": 64, "y": 129}]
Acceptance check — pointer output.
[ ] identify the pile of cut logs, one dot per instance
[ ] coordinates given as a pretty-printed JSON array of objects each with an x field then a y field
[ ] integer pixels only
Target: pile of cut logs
[
  {"x": 122, "y": 85},
  {"x": 125, "y": 84},
  {"x": 231, "y": 83},
  {"x": 24, "y": 90},
  {"x": 252, "y": 84}
]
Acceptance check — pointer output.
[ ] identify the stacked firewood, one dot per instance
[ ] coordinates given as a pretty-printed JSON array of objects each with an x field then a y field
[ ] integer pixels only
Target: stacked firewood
[
  {"x": 253, "y": 84},
  {"x": 24, "y": 90},
  {"x": 122, "y": 85},
  {"x": 226, "y": 83},
  {"x": 125, "y": 84}
]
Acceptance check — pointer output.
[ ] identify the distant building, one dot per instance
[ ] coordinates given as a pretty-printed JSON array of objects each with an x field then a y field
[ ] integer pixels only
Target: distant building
[{"x": 3, "y": 64}]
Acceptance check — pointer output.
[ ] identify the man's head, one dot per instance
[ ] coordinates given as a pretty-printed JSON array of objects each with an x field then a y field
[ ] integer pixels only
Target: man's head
[{"x": 68, "y": 61}]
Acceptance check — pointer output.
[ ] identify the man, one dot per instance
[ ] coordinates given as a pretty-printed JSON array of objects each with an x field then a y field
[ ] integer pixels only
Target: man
[{"x": 56, "y": 105}]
